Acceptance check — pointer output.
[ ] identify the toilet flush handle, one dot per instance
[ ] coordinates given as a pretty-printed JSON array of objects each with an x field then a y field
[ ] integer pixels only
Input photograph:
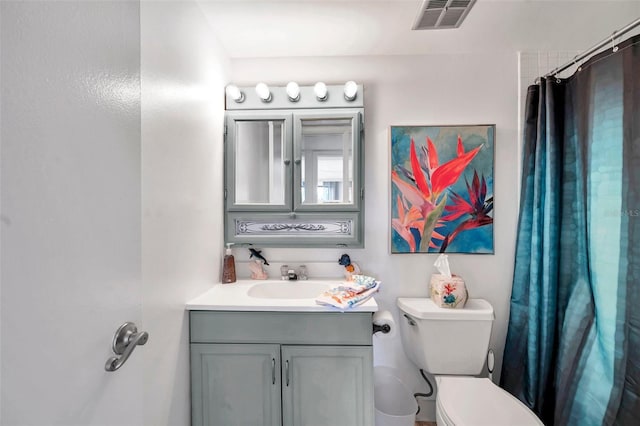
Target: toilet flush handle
[{"x": 410, "y": 320}]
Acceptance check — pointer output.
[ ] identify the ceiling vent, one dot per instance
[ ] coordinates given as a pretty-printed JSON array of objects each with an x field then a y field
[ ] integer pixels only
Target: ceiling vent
[{"x": 442, "y": 14}]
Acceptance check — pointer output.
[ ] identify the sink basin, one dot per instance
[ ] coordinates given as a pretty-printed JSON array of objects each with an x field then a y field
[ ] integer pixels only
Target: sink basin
[{"x": 288, "y": 290}]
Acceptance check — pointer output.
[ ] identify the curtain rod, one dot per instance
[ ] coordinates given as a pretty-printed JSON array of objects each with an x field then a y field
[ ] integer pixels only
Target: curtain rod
[{"x": 604, "y": 42}]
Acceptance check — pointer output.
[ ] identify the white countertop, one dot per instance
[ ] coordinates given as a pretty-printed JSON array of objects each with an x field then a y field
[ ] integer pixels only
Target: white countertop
[{"x": 234, "y": 297}]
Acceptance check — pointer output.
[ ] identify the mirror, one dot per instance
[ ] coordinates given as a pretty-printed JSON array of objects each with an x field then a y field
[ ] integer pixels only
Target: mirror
[
  {"x": 259, "y": 162},
  {"x": 326, "y": 161}
]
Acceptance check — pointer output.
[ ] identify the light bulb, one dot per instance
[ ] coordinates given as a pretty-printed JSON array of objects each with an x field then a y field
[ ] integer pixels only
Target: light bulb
[
  {"x": 263, "y": 92},
  {"x": 235, "y": 93},
  {"x": 350, "y": 90},
  {"x": 320, "y": 89},
  {"x": 293, "y": 91}
]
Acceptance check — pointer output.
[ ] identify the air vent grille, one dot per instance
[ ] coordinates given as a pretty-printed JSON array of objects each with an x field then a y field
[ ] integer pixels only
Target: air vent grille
[
  {"x": 430, "y": 18},
  {"x": 436, "y": 4},
  {"x": 441, "y": 14},
  {"x": 459, "y": 3},
  {"x": 451, "y": 18}
]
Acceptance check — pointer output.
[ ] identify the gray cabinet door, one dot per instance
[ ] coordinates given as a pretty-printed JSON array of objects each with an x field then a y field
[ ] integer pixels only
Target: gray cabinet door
[
  {"x": 327, "y": 157},
  {"x": 258, "y": 168},
  {"x": 235, "y": 385},
  {"x": 327, "y": 385}
]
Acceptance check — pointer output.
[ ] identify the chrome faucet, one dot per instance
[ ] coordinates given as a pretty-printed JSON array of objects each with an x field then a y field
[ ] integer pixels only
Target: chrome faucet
[{"x": 290, "y": 274}]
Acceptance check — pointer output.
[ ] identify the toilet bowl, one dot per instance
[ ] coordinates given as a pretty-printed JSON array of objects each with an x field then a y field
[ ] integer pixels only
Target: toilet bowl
[
  {"x": 452, "y": 345},
  {"x": 479, "y": 402}
]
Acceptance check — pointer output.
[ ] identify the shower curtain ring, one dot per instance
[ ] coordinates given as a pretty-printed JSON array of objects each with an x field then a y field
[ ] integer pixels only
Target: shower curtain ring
[
  {"x": 575, "y": 62},
  {"x": 614, "y": 48}
]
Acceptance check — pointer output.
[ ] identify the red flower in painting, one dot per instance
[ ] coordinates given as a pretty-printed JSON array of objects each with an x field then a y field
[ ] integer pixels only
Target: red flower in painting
[
  {"x": 425, "y": 190},
  {"x": 442, "y": 176}
]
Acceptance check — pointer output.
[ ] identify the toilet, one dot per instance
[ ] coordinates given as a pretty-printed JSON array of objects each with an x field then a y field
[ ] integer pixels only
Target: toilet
[{"x": 452, "y": 345}]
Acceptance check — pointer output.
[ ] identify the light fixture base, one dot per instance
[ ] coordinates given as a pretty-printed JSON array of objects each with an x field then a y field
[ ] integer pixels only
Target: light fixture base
[{"x": 306, "y": 99}]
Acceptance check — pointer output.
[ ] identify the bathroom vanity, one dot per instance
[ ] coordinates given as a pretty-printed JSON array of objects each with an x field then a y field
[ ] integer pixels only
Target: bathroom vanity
[{"x": 278, "y": 360}]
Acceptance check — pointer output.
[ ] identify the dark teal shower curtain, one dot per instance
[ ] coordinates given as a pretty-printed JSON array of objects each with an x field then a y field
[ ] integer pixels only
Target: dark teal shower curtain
[{"x": 573, "y": 345}]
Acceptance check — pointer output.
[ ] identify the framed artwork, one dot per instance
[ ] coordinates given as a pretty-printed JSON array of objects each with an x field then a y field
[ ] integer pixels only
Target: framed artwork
[{"x": 442, "y": 189}]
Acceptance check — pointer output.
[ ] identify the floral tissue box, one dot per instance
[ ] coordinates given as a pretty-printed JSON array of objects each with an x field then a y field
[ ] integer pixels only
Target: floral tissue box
[{"x": 448, "y": 292}]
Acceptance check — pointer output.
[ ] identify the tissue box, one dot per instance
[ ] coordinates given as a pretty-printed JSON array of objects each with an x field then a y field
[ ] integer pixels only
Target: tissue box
[{"x": 448, "y": 292}]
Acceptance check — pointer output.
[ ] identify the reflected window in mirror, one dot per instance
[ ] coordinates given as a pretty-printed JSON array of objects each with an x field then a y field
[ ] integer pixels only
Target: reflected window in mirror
[{"x": 327, "y": 161}]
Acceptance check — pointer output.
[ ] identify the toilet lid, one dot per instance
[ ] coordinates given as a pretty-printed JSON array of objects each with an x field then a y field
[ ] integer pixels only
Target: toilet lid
[{"x": 475, "y": 401}]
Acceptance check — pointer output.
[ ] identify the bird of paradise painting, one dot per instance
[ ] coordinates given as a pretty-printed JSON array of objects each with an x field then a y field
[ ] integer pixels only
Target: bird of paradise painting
[{"x": 442, "y": 189}]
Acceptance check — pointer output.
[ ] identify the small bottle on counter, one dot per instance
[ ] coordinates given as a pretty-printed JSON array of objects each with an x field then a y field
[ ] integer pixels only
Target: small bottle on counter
[{"x": 228, "y": 267}]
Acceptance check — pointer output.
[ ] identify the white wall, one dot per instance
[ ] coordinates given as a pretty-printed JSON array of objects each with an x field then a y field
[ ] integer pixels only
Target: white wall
[
  {"x": 417, "y": 90},
  {"x": 183, "y": 78}
]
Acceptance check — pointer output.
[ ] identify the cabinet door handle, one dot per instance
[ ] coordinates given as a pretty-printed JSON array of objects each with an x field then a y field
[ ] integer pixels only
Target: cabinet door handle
[
  {"x": 273, "y": 371},
  {"x": 286, "y": 369},
  {"x": 297, "y": 161},
  {"x": 286, "y": 161}
]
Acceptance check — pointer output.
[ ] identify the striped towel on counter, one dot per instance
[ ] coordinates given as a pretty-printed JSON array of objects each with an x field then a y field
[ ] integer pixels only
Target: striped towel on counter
[{"x": 350, "y": 294}]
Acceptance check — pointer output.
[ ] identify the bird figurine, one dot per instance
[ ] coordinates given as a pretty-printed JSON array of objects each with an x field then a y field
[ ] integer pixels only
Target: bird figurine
[
  {"x": 350, "y": 268},
  {"x": 256, "y": 253}
]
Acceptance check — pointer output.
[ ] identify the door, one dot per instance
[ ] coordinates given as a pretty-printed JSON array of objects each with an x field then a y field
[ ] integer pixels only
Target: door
[
  {"x": 327, "y": 385},
  {"x": 235, "y": 385},
  {"x": 70, "y": 220}
]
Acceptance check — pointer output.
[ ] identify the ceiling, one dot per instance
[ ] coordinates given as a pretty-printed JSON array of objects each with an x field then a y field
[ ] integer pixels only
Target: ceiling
[{"x": 265, "y": 28}]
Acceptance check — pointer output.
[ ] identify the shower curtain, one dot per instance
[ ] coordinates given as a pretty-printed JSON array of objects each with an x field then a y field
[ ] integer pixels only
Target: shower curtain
[{"x": 573, "y": 344}]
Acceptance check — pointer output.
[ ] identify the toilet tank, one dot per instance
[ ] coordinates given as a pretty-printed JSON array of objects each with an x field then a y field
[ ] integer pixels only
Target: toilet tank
[{"x": 444, "y": 340}]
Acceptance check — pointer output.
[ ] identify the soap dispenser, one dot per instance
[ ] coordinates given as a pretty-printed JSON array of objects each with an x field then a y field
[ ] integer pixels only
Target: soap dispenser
[{"x": 229, "y": 267}]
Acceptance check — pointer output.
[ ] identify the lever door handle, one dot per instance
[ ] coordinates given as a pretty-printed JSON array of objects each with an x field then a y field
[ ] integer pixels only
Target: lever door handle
[{"x": 125, "y": 341}]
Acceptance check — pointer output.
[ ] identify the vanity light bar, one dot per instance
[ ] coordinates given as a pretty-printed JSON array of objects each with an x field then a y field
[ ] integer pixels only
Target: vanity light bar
[{"x": 294, "y": 96}]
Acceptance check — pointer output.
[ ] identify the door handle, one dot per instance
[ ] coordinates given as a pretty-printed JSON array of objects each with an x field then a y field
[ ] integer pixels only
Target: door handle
[{"x": 125, "y": 341}]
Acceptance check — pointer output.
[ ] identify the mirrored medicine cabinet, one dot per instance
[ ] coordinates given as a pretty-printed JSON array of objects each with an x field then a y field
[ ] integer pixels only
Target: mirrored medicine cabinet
[{"x": 294, "y": 169}]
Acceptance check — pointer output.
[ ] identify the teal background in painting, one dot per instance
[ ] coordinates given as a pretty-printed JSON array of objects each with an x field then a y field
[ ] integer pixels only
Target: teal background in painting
[{"x": 445, "y": 139}]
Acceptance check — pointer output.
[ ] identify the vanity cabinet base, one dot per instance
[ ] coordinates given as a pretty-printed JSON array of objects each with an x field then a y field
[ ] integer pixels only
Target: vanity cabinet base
[{"x": 269, "y": 384}]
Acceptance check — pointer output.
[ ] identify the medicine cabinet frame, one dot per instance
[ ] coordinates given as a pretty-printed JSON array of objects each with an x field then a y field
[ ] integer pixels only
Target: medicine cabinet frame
[{"x": 284, "y": 219}]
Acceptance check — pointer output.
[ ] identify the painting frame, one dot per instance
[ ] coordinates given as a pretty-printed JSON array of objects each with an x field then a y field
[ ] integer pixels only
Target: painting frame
[{"x": 442, "y": 185}]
